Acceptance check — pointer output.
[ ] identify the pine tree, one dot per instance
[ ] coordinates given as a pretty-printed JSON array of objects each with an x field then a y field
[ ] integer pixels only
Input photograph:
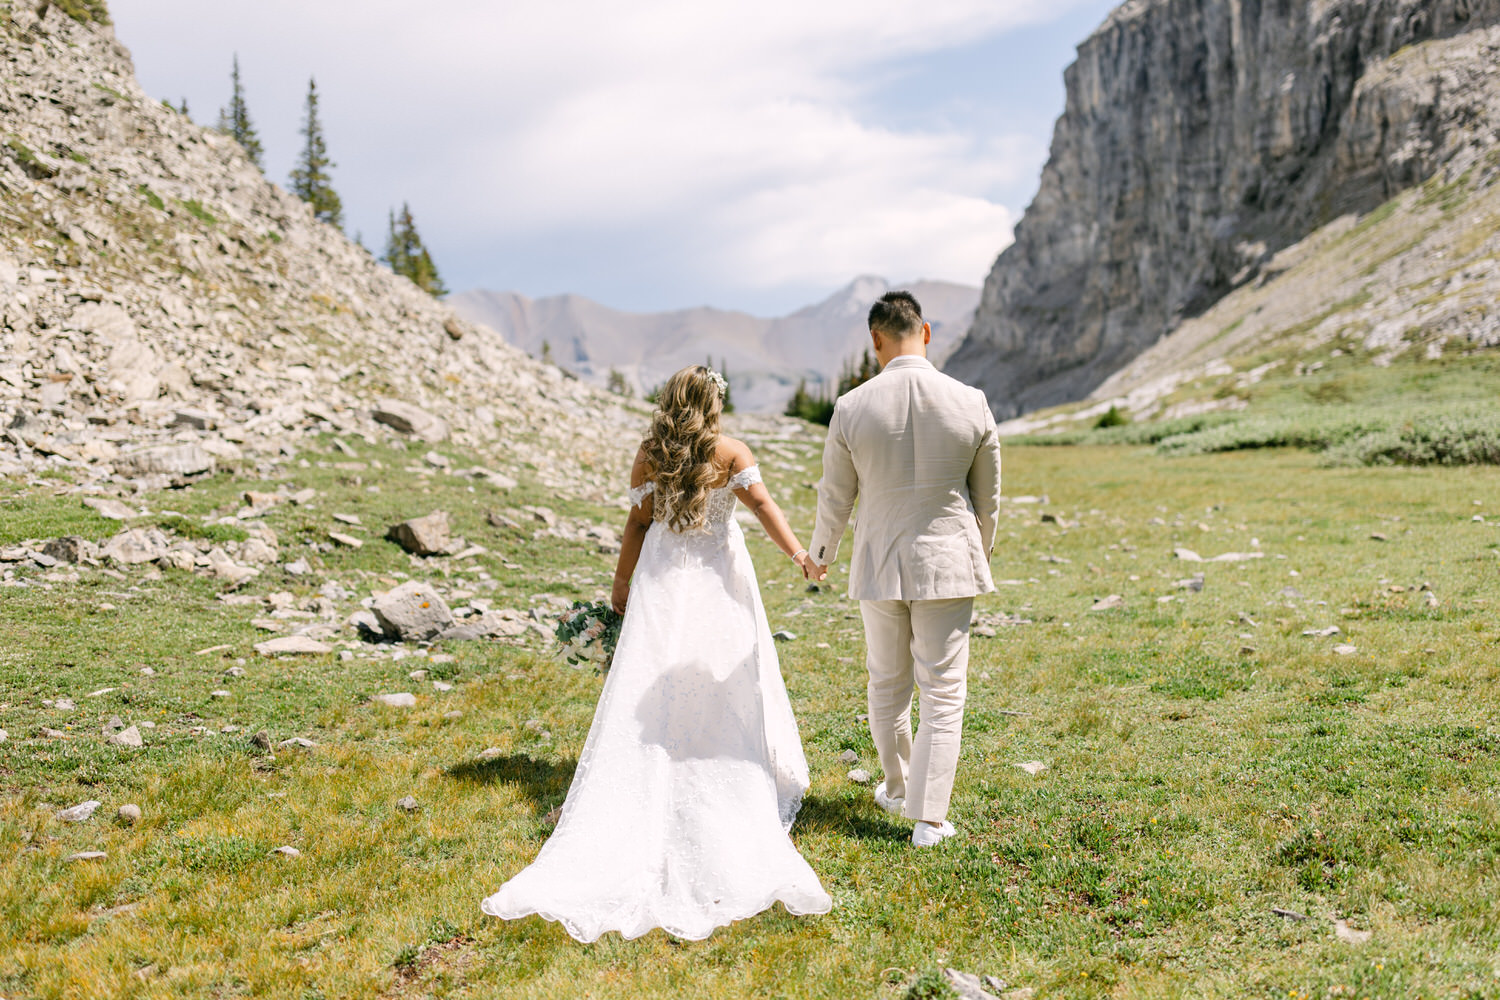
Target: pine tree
[
  {"x": 310, "y": 178},
  {"x": 234, "y": 121},
  {"x": 406, "y": 254}
]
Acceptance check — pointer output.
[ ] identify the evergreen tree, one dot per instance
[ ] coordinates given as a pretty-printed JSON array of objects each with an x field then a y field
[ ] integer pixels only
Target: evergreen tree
[
  {"x": 234, "y": 121},
  {"x": 407, "y": 256},
  {"x": 617, "y": 383},
  {"x": 310, "y": 178},
  {"x": 728, "y": 389}
]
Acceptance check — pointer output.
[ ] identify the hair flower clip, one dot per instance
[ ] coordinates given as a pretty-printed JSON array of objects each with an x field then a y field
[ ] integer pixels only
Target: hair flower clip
[{"x": 720, "y": 382}]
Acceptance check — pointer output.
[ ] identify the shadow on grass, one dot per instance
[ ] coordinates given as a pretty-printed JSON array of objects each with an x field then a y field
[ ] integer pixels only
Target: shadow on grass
[
  {"x": 848, "y": 817},
  {"x": 545, "y": 782}
]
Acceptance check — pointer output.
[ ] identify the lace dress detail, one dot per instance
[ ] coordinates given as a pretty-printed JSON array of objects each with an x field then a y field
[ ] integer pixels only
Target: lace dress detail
[
  {"x": 720, "y": 500},
  {"x": 693, "y": 771}
]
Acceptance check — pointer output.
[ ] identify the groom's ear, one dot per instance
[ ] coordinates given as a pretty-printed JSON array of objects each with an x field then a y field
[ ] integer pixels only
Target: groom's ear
[{"x": 926, "y": 333}]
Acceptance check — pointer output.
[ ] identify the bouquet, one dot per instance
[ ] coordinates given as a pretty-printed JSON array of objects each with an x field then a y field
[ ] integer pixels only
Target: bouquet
[{"x": 587, "y": 633}]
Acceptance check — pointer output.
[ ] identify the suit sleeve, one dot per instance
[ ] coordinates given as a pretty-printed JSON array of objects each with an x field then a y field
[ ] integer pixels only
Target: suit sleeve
[
  {"x": 984, "y": 480},
  {"x": 837, "y": 491}
]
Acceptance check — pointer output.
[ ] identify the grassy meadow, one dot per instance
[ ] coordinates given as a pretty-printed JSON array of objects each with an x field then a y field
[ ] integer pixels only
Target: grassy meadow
[{"x": 1207, "y": 764}]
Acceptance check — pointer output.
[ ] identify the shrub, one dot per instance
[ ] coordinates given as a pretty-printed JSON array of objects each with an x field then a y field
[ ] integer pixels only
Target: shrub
[{"x": 1111, "y": 417}]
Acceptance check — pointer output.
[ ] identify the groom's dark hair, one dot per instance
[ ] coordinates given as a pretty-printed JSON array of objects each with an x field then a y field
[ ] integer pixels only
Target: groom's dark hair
[{"x": 896, "y": 314}]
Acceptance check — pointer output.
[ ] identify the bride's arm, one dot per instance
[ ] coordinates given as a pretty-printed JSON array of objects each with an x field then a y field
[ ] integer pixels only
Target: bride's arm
[
  {"x": 635, "y": 533},
  {"x": 758, "y": 499}
]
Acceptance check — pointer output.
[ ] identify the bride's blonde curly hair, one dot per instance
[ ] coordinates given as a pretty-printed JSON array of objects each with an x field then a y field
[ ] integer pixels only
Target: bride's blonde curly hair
[{"x": 683, "y": 440}]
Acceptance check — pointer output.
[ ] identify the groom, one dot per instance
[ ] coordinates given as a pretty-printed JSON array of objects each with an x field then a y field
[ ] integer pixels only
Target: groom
[{"x": 919, "y": 450}]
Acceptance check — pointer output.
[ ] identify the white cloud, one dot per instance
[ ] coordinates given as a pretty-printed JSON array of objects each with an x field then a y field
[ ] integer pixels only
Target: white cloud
[{"x": 731, "y": 124}]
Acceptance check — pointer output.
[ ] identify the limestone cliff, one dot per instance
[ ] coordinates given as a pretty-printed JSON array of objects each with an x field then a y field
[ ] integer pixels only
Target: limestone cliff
[{"x": 1199, "y": 138}]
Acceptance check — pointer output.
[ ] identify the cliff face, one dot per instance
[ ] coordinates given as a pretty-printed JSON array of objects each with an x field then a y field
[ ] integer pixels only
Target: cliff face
[
  {"x": 1199, "y": 138},
  {"x": 156, "y": 289}
]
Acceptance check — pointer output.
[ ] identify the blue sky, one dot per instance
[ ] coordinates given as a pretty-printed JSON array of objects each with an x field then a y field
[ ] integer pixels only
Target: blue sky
[{"x": 660, "y": 154}]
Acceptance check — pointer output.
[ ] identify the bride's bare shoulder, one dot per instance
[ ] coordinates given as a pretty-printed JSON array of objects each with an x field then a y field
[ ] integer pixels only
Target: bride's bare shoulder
[{"x": 733, "y": 454}]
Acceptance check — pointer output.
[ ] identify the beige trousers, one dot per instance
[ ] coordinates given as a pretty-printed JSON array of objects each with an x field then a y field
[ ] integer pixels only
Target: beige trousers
[{"x": 923, "y": 644}]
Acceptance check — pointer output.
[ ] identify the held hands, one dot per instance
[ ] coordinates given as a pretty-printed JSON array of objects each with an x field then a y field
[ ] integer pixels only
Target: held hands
[{"x": 811, "y": 570}]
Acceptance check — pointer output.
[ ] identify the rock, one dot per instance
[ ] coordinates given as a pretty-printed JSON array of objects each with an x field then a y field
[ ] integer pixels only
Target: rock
[
  {"x": 261, "y": 740},
  {"x": 400, "y": 700},
  {"x": 859, "y": 776},
  {"x": 1187, "y": 555},
  {"x": 453, "y": 714},
  {"x": 1349, "y": 935},
  {"x": 4, "y": 736},
  {"x": 490, "y": 753},
  {"x": 348, "y": 541},
  {"x": 1193, "y": 583},
  {"x": 114, "y": 510},
  {"x": 129, "y": 814},
  {"x": 63, "y": 705},
  {"x": 441, "y": 686},
  {"x": 1430, "y": 599},
  {"x": 1032, "y": 767},
  {"x": 135, "y": 546},
  {"x": 849, "y": 757},
  {"x": 423, "y": 536},
  {"x": 85, "y": 856},
  {"x": 1303, "y": 113},
  {"x": 1344, "y": 649},
  {"x": 1378, "y": 536},
  {"x": 130, "y": 737},
  {"x": 287, "y": 851},
  {"x": 70, "y": 549},
  {"x": 300, "y": 742},
  {"x": 453, "y": 328},
  {"x": 219, "y": 693},
  {"x": 178, "y": 461},
  {"x": 292, "y": 645},
  {"x": 1110, "y": 603},
  {"x": 438, "y": 460},
  {"x": 79, "y": 813},
  {"x": 407, "y": 804},
  {"x": 1322, "y": 633},
  {"x": 782, "y": 635},
  {"x": 409, "y": 419},
  {"x": 967, "y": 986},
  {"x": 412, "y": 612}
]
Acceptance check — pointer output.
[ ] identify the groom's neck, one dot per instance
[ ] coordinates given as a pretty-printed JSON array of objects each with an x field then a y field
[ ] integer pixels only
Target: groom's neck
[{"x": 911, "y": 348}]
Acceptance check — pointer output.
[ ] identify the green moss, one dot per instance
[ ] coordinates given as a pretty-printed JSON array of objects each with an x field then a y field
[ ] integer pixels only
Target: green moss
[
  {"x": 196, "y": 210},
  {"x": 152, "y": 198},
  {"x": 84, "y": 11}
]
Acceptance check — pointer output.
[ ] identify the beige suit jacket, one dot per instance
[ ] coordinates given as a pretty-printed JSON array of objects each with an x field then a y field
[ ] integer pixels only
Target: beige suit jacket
[{"x": 919, "y": 451}]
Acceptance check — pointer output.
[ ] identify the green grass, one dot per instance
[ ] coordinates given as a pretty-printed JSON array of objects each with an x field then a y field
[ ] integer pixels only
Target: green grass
[
  {"x": 96, "y": 11},
  {"x": 1191, "y": 788},
  {"x": 1412, "y": 412},
  {"x": 197, "y": 211}
]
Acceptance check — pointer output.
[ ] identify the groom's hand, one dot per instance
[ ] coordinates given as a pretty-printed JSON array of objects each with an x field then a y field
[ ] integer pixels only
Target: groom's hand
[{"x": 813, "y": 571}]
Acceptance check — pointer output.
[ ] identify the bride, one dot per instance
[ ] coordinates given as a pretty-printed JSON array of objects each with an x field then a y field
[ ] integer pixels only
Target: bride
[{"x": 693, "y": 770}]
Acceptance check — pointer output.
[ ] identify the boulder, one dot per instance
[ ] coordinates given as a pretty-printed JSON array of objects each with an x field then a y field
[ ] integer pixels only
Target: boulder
[
  {"x": 70, "y": 549},
  {"x": 412, "y": 612},
  {"x": 423, "y": 536},
  {"x": 135, "y": 545},
  {"x": 109, "y": 508},
  {"x": 177, "y": 460},
  {"x": 409, "y": 419}
]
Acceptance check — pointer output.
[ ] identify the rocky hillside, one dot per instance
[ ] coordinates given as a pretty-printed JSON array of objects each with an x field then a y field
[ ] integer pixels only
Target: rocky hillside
[
  {"x": 1199, "y": 140},
  {"x": 165, "y": 309},
  {"x": 765, "y": 358}
]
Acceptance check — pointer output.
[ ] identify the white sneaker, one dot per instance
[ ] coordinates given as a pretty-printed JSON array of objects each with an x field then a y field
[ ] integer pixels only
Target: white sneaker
[
  {"x": 886, "y": 802},
  {"x": 927, "y": 834}
]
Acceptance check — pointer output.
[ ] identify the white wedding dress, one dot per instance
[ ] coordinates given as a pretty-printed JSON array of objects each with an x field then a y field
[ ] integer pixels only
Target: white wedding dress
[{"x": 693, "y": 770}]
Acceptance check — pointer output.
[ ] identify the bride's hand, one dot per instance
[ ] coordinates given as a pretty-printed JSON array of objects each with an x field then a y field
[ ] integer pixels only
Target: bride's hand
[{"x": 618, "y": 595}]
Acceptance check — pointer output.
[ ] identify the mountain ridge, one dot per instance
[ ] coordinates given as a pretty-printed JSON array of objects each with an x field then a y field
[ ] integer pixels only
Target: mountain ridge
[{"x": 765, "y": 357}]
